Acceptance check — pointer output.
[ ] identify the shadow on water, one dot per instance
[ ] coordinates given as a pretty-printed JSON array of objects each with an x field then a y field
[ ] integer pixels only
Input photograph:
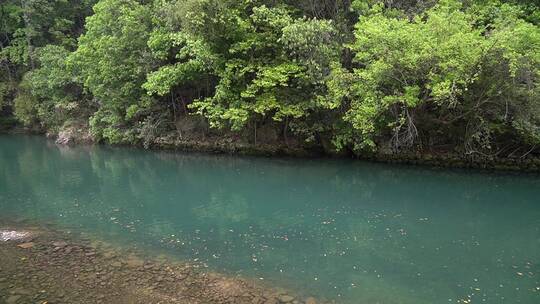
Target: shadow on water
[{"x": 351, "y": 231}]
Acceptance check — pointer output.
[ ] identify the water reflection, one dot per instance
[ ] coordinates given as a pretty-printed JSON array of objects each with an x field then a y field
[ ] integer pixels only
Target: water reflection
[{"x": 351, "y": 231}]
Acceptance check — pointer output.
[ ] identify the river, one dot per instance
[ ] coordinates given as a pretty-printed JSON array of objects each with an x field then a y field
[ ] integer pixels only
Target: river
[{"x": 349, "y": 231}]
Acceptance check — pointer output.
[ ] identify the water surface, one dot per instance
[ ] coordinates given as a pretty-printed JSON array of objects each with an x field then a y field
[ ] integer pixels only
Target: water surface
[{"x": 350, "y": 231}]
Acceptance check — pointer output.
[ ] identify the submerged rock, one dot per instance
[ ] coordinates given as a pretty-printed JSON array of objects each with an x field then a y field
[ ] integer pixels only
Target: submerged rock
[
  {"x": 311, "y": 300},
  {"x": 12, "y": 299},
  {"x": 59, "y": 244},
  {"x": 21, "y": 291},
  {"x": 116, "y": 265},
  {"x": 88, "y": 275},
  {"x": 286, "y": 298},
  {"x": 134, "y": 262},
  {"x": 11, "y": 235}
]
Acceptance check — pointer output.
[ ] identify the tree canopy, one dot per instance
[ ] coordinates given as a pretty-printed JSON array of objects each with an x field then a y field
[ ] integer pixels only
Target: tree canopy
[{"x": 361, "y": 76}]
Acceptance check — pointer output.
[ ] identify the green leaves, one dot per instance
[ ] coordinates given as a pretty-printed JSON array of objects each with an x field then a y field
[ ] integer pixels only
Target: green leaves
[
  {"x": 112, "y": 61},
  {"x": 275, "y": 69},
  {"x": 192, "y": 60},
  {"x": 56, "y": 93},
  {"x": 434, "y": 62},
  {"x": 362, "y": 75},
  {"x": 313, "y": 43}
]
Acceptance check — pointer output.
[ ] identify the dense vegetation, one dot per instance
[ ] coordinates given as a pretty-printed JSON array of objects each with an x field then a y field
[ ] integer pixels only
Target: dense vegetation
[{"x": 360, "y": 76}]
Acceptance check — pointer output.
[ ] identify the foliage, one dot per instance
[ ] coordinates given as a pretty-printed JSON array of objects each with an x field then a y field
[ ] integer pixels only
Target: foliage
[
  {"x": 28, "y": 26},
  {"x": 438, "y": 67},
  {"x": 275, "y": 67},
  {"x": 59, "y": 97},
  {"x": 366, "y": 75},
  {"x": 111, "y": 61},
  {"x": 25, "y": 111}
]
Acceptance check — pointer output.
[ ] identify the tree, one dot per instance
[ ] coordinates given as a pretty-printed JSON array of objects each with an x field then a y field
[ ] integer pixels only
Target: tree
[
  {"x": 365, "y": 75},
  {"x": 26, "y": 27},
  {"x": 59, "y": 97},
  {"x": 273, "y": 68},
  {"x": 112, "y": 60},
  {"x": 434, "y": 74}
]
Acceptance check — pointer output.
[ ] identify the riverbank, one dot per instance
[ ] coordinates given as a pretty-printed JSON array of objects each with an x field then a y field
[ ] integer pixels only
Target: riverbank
[
  {"x": 46, "y": 266},
  {"x": 236, "y": 146},
  {"x": 442, "y": 160}
]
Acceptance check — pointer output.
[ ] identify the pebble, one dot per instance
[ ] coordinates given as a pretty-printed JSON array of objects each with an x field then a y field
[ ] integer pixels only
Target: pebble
[
  {"x": 21, "y": 291},
  {"x": 12, "y": 299},
  {"x": 134, "y": 262},
  {"x": 311, "y": 300},
  {"x": 116, "y": 264},
  {"x": 59, "y": 244},
  {"x": 286, "y": 298},
  {"x": 96, "y": 273}
]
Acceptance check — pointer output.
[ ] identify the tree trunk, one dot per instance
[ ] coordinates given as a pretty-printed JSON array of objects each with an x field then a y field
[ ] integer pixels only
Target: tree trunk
[{"x": 286, "y": 127}]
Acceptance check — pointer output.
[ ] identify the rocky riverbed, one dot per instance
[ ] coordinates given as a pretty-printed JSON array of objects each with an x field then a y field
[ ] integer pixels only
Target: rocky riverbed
[{"x": 47, "y": 267}]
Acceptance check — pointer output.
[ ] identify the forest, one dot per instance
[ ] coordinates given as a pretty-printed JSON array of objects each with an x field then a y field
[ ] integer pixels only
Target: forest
[{"x": 357, "y": 77}]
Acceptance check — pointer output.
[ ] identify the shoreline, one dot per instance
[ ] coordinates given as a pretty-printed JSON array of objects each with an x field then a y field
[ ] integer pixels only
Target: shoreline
[
  {"x": 41, "y": 265},
  {"x": 448, "y": 160}
]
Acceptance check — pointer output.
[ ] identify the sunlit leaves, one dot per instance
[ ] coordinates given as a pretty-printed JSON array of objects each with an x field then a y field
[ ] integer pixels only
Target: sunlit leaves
[
  {"x": 112, "y": 61},
  {"x": 363, "y": 74},
  {"x": 276, "y": 69},
  {"x": 435, "y": 58}
]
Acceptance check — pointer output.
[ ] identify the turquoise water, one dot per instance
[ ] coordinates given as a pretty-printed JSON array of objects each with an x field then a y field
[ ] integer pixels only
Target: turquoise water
[{"x": 350, "y": 231}]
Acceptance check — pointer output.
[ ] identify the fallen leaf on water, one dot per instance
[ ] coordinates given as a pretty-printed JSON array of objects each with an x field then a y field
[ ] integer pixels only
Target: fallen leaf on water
[{"x": 26, "y": 245}]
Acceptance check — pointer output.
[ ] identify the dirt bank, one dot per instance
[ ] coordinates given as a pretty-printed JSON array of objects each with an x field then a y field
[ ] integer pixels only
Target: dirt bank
[{"x": 48, "y": 267}]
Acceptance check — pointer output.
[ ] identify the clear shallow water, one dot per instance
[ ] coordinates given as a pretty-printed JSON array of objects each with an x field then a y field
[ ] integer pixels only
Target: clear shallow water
[{"x": 350, "y": 231}]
